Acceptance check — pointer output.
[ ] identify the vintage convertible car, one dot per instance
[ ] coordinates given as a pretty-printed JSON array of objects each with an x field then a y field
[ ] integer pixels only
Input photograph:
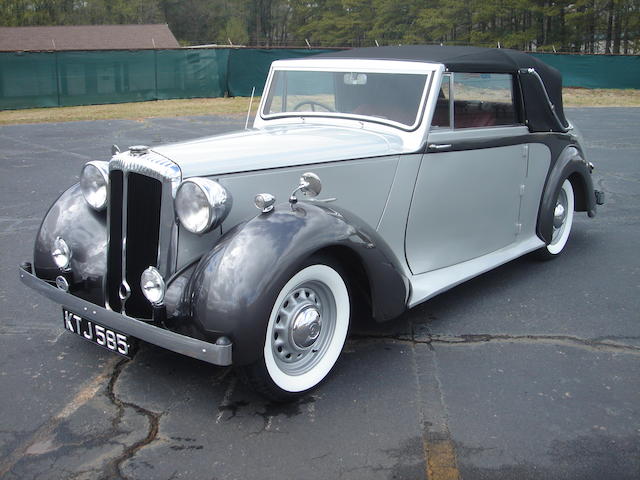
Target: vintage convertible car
[{"x": 436, "y": 164}]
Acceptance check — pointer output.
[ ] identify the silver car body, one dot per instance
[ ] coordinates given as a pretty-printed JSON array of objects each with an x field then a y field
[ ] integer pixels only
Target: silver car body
[{"x": 442, "y": 233}]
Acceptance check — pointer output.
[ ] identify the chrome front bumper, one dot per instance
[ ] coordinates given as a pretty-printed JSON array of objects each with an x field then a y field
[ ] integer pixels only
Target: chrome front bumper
[{"x": 191, "y": 347}]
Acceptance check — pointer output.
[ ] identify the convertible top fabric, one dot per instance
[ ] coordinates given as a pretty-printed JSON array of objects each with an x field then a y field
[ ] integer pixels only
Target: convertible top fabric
[{"x": 540, "y": 118}]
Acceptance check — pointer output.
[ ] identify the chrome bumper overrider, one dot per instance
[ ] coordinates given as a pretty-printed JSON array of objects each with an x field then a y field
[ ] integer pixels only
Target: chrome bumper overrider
[{"x": 191, "y": 347}]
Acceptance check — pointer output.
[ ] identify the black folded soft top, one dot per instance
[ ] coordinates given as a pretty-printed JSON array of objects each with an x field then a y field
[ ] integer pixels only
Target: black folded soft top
[{"x": 540, "y": 116}]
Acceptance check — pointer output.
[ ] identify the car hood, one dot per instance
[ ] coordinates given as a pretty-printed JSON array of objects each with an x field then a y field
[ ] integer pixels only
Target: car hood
[{"x": 275, "y": 147}]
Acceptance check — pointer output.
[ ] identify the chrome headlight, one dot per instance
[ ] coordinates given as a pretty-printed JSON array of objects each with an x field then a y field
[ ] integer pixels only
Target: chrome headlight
[
  {"x": 94, "y": 180},
  {"x": 201, "y": 204}
]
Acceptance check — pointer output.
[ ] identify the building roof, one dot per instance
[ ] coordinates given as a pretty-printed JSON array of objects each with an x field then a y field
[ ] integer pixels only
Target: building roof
[
  {"x": 540, "y": 117},
  {"x": 86, "y": 37}
]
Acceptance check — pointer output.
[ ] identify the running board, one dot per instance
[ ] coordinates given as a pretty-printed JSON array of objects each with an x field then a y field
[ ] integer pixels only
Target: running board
[{"x": 430, "y": 284}]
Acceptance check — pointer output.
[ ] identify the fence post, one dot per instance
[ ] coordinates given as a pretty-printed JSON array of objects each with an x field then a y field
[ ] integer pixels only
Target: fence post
[
  {"x": 55, "y": 56},
  {"x": 155, "y": 63}
]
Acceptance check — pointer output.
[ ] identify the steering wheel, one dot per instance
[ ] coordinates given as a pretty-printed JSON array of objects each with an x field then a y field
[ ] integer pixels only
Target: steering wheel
[{"x": 313, "y": 104}]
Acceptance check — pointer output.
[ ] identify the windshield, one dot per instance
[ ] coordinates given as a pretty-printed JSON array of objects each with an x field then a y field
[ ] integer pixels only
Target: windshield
[{"x": 390, "y": 97}]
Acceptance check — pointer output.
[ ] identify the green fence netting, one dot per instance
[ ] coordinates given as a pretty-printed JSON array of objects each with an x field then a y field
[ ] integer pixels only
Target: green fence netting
[
  {"x": 249, "y": 67},
  {"x": 595, "y": 71},
  {"x": 47, "y": 79},
  {"x": 100, "y": 77},
  {"x": 28, "y": 80},
  {"x": 191, "y": 73}
]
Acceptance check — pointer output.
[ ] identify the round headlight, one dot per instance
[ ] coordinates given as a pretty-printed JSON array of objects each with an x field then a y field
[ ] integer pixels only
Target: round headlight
[
  {"x": 61, "y": 253},
  {"x": 201, "y": 204},
  {"x": 152, "y": 285},
  {"x": 93, "y": 183}
]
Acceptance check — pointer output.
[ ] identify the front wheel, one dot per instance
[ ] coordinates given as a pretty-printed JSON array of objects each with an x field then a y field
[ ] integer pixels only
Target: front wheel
[
  {"x": 562, "y": 222},
  {"x": 307, "y": 329}
]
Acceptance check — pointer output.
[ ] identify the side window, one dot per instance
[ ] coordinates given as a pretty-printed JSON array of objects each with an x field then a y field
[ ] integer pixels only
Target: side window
[
  {"x": 483, "y": 100},
  {"x": 442, "y": 113}
]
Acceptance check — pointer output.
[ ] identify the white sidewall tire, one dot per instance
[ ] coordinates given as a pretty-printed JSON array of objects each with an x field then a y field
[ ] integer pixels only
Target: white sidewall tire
[
  {"x": 556, "y": 247},
  {"x": 311, "y": 378}
]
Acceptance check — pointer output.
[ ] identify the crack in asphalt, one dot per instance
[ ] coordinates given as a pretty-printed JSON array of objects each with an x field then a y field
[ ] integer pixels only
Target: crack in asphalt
[
  {"x": 114, "y": 468},
  {"x": 46, "y": 431},
  {"x": 598, "y": 344}
]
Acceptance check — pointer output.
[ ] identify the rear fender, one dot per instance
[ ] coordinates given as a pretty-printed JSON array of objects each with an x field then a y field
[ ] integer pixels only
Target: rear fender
[{"x": 570, "y": 165}]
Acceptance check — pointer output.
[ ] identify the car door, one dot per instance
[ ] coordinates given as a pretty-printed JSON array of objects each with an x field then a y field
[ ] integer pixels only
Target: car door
[{"x": 466, "y": 199}]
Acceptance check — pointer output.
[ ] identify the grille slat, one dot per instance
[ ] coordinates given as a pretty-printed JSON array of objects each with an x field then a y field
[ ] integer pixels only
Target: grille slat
[{"x": 142, "y": 201}]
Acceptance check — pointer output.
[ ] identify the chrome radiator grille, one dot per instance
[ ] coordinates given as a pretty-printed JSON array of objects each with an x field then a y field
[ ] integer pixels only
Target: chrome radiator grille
[{"x": 141, "y": 225}]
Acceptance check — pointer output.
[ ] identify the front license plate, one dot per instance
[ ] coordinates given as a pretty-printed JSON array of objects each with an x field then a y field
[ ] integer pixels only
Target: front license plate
[{"x": 100, "y": 335}]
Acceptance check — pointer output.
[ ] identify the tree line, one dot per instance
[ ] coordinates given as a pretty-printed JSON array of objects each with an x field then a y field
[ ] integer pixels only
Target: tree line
[{"x": 588, "y": 26}]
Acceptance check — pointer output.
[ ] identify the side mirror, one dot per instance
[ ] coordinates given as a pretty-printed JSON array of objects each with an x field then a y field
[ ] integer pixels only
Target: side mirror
[{"x": 310, "y": 186}]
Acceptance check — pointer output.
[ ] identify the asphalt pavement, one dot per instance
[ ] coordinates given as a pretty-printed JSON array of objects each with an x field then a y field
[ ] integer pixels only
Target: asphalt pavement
[{"x": 531, "y": 371}]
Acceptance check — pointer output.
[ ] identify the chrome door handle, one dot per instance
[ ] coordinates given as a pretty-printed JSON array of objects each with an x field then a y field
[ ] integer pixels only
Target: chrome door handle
[{"x": 441, "y": 146}]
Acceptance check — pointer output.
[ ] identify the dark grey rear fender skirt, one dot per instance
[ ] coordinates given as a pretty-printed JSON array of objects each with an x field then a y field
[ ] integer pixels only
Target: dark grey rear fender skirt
[
  {"x": 570, "y": 164},
  {"x": 233, "y": 288}
]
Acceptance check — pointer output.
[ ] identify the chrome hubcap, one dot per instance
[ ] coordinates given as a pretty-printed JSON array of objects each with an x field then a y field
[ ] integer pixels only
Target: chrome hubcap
[
  {"x": 559, "y": 216},
  {"x": 306, "y": 327},
  {"x": 303, "y": 327}
]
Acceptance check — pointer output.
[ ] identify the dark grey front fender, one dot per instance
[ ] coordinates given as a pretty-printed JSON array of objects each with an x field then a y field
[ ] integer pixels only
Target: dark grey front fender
[
  {"x": 234, "y": 286},
  {"x": 85, "y": 231}
]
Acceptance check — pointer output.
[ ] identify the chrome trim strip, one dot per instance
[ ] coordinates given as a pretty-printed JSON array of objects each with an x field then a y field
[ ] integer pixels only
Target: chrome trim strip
[
  {"x": 167, "y": 258},
  {"x": 105, "y": 278},
  {"x": 123, "y": 255},
  {"x": 191, "y": 347}
]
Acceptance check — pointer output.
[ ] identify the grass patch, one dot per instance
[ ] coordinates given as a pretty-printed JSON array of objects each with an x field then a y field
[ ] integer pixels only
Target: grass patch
[
  {"x": 573, "y": 97},
  {"x": 600, "y": 97},
  {"x": 131, "y": 111}
]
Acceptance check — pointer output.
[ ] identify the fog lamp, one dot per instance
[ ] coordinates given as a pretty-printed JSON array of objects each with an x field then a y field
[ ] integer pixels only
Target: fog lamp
[
  {"x": 152, "y": 285},
  {"x": 264, "y": 202},
  {"x": 61, "y": 253}
]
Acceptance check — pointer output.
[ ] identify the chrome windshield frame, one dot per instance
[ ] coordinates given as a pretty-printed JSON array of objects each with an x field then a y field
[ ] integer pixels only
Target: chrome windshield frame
[
  {"x": 351, "y": 66},
  {"x": 413, "y": 137}
]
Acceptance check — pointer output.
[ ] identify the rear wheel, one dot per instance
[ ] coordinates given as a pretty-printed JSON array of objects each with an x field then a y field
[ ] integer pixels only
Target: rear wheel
[
  {"x": 307, "y": 328},
  {"x": 562, "y": 222}
]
